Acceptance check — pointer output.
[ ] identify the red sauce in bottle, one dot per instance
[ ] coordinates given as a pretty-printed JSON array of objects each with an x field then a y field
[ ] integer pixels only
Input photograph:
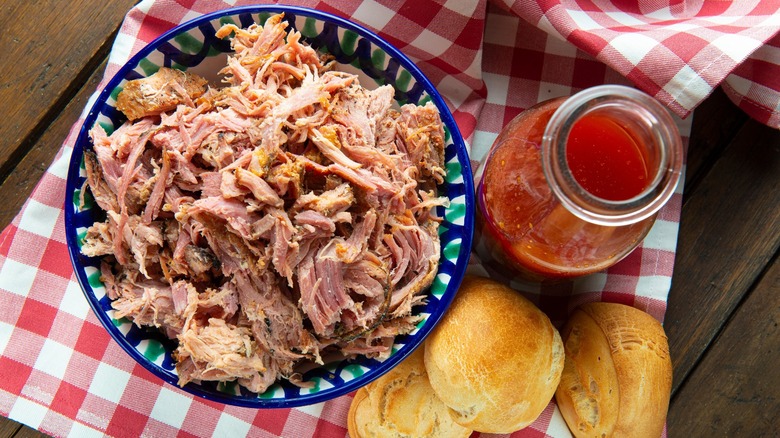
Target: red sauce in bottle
[
  {"x": 605, "y": 159},
  {"x": 521, "y": 220}
]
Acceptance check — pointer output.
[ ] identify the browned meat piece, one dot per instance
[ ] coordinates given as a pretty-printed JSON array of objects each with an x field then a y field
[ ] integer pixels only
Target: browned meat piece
[
  {"x": 287, "y": 178},
  {"x": 324, "y": 294},
  {"x": 160, "y": 92},
  {"x": 101, "y": 191},
  {"x": 329, "y": 202},
  {"x": 99, "y": 240},
  {"x": 421, "y": 130},
  {"x": 416, "y": 250},
  {"x": 217, "y": 351},
  {"x": 200, "y": 260}
]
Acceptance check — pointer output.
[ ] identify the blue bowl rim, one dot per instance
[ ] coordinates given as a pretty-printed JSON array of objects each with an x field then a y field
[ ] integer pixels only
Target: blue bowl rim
[{"x": 331, "y": 393}]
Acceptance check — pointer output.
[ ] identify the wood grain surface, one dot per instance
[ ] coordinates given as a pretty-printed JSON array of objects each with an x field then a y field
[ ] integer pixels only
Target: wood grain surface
[
  {"x": 53, "y": 52},
  {"x": 723, "y": 306},
  {"x": 15, "y": 189},
  {"x": 50, "y": 48},
  {"x": 735, "y": 389},
  {"x": 728, "y": 235}
]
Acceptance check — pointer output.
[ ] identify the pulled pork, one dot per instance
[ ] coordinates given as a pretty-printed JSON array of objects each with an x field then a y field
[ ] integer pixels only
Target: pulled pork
[{"x": 271, "y": 220}]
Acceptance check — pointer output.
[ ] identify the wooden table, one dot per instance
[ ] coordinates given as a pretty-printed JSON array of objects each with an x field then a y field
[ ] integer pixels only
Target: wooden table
[{"x": 724, "y": 310}]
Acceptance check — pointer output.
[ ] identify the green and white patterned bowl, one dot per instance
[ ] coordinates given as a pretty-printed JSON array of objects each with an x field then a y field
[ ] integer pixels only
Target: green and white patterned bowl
[{"x": 193, "y": 46}]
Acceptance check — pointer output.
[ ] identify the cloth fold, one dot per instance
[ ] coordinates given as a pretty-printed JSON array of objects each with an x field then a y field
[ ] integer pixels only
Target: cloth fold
[
  {"x": 62, "y": 373},
  {"x": 754, "y": 86},
  {"x": 676, "y": 51}
]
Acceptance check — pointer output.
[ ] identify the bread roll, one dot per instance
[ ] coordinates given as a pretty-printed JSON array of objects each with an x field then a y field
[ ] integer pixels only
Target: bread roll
[
  {"x": 617, "y": 376},
  {"x": 494, "y": 359},
  {"x": 401, "y": 404}
]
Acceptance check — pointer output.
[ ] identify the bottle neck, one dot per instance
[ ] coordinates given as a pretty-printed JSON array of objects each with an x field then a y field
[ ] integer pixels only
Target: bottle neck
[{"x": 650, "y": 128}]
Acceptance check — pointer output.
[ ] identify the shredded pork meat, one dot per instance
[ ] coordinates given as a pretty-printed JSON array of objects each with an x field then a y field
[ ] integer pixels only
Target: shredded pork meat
[{"x": 268, "y": 221}]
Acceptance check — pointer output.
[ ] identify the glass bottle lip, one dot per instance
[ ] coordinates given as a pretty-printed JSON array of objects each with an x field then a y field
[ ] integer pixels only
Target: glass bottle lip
[{"x": 643, "y": 112}]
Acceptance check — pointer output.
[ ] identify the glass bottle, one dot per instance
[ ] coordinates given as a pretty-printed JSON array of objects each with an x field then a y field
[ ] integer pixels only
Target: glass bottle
[{"x": 572, "y": 185}]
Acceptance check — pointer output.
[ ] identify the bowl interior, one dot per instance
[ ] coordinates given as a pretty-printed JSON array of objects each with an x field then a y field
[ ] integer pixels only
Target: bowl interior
[{"x": 193, "y": 46}]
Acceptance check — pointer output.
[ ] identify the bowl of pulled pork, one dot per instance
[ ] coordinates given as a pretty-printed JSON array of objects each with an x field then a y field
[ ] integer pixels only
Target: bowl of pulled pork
[{"x": 269, "y": 207}]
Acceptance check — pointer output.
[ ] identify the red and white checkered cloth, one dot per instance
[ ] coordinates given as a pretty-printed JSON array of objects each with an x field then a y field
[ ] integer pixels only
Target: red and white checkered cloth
[
  {"x": 676, "y": 50},
  {"x": 60, "y": 371}
]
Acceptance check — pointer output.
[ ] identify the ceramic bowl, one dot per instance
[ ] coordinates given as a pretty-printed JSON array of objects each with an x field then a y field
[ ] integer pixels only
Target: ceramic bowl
[{"x": 193, "y": 46}]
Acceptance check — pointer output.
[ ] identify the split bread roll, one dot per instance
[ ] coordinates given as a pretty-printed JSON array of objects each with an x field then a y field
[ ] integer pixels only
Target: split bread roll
[
  {"x": 494, "y": 359},
  {"x": 617, "y": 376},
  {"x": 401, "y": 404}
]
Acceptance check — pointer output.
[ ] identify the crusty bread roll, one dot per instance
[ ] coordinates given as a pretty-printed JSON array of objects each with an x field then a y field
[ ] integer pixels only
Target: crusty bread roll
[
  {"x": 494, "y": 359},
  {"x": 617, "y": 376},
  {"x": 401, "y": 404}
]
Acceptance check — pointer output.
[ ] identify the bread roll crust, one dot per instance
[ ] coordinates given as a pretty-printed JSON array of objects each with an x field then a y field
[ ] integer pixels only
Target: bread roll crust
[
  {"x": 617, "y": 375},
  {"x": 494, "y": 359},
  {"x": 401, "y": 404},
  {"x": 359, "y": 404}
]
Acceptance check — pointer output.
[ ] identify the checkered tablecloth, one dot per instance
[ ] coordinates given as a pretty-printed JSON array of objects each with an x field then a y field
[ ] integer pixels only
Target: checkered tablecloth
[{"x": 60, "y": 371}]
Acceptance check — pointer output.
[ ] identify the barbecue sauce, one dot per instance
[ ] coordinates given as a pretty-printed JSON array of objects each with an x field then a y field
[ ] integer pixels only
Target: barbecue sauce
[{"x": 526, "y": 217}]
